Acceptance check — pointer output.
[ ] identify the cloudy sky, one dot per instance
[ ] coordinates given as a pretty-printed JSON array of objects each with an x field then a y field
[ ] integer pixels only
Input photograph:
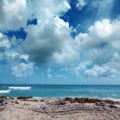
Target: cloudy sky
[{"x": 60, "y": 41}]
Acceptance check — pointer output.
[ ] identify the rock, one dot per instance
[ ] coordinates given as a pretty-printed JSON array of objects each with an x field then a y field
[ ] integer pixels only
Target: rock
[
  {"x": 100, "y": 103},
  {"x": 112, "y": 106},
  {"x": 1, "y": 109},
  {"x": 16, "y": 102},
  {"x": 2, "y": 101},
  {"x": 86, "y": 100},
  {"x": 24, "y": 97},
  {"x": 60, "y": 103},
  {"x": 89, "y": 100},
  {"x": 68, "y": 99}
]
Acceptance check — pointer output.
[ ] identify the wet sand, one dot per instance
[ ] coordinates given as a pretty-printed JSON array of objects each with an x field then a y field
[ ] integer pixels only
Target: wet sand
[{"x": 24, "y": 108}]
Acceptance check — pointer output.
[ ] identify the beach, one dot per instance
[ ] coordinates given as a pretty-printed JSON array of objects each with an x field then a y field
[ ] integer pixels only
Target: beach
[{"x": 28, "y": 108}]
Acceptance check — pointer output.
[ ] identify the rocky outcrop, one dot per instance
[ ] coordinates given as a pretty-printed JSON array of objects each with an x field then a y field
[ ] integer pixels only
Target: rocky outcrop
[{"x": 88, "y": 100}]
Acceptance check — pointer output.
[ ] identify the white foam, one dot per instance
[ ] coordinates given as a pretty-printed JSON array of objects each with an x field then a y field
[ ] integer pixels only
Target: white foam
[
  {"x": 113, "y": 99},
  {"x": 4, "y": 91},
  {"x": 20, "y": 88}
]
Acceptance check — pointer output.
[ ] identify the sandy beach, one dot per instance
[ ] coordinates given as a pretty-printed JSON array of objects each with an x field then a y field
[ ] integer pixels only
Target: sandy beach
[{"x": 24, "y": 108}]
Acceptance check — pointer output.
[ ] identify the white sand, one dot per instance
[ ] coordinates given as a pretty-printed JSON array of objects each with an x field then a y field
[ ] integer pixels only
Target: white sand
[{"x": 57, "y": 109}]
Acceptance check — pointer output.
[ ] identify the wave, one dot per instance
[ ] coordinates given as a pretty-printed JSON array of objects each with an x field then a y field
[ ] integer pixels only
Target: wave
[
  {"x": 20, "y": 88},
  {"x": 110, "y": 98},
  {"x": 4, "y": 91}
]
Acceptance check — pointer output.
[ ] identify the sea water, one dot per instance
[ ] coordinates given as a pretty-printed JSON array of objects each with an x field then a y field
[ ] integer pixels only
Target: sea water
[{"x": 91, "y": 91}]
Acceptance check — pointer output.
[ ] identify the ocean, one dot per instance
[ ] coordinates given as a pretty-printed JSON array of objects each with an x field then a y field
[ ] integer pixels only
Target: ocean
[{"x": 91, "y": 91}]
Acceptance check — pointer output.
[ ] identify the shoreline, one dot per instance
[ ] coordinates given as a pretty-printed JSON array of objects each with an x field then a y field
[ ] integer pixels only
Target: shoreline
[
  {"x": 63, "y": 97},
  {"x": 112, "y": 99},
  {"x": 29, "y": 108}
]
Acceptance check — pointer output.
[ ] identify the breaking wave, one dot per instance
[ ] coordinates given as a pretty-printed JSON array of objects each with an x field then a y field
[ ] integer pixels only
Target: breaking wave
[
  {"x": 19, "y": 88},
  {"x": 5, "y": 91}
]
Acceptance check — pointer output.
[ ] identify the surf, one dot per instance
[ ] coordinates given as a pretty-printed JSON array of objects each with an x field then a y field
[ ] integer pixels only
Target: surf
[
  {"x": 4, "y": 91},
  {"x": 19, "y": 88}
]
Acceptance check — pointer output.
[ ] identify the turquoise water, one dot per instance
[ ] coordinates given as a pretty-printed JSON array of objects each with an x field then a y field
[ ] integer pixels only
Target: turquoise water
[{"x": 92, "y": 91}]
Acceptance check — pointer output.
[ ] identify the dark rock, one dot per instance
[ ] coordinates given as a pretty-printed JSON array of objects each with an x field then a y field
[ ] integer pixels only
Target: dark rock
[
  {"x": 3, "y": 100},
  {"x": 86, "y": 100},
  {"x": 1, "y": 109},
  {"x": 89, "y": 100},
  {"x": 109, "y": 101},
  {"x": 112, "y": 106},
  {"x": 24, "y": 97},
  {"x": 100, "y": 103},
  {"x": 16, "y": 102},
  {"x": 68, "y": 99},
  {"x": 60, "y": 103}
]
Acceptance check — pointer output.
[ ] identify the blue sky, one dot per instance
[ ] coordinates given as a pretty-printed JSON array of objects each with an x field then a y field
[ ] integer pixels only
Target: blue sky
[{"x": 60, "y": 42}]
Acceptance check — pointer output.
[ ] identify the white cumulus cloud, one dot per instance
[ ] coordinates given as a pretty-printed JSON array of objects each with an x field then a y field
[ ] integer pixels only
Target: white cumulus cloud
[
  {"x": 46, "y": 39},
  {"x": 13, "y": 14},
  {"x": 100, "y": 46},
  {"x": 4, "y": 45},
  {"x": 100, "y": 71},
  {"x": 22, "y": 69}
]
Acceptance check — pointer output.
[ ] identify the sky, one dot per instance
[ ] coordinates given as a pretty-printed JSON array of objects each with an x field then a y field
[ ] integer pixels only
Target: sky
[{"x": 59, "y": 42}]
